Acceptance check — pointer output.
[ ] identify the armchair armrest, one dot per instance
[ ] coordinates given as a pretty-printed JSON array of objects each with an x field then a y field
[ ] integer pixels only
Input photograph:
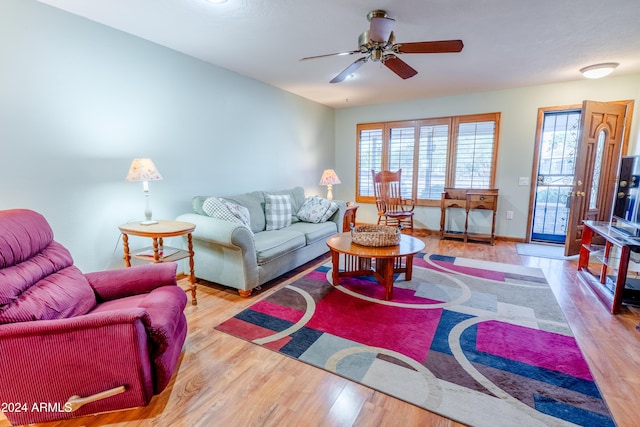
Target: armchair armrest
[
  {"x": 410, "y": 203},
  {"x": 82, "y": 356},
  {"x": 71, "y": 325},
  {"x": 113, "y": 284}
]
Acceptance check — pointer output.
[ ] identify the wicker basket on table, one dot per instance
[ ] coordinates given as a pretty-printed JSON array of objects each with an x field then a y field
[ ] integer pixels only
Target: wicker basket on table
[{"x": 376, "y": 235}]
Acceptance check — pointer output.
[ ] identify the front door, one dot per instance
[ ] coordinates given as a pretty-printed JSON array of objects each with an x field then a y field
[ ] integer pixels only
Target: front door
[
  {"x": 557, "y": 142},
  {"x": 599, "y": 149}
]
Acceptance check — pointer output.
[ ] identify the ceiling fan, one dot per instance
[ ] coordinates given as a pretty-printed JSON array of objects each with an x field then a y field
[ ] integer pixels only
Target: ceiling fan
[{"x": 378, "y": 45}]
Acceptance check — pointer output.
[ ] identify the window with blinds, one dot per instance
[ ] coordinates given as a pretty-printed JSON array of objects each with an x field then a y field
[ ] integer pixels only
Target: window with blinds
[
  {"x": 401, "y": 154},
  {"x": 457, "y": 152},
  {"x": 474, "y": 155},
  {"x": 369, "y": 158}
]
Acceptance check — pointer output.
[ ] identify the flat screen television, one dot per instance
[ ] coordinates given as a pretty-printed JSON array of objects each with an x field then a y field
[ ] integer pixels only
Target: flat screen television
[{"x": 626, "y": 204}]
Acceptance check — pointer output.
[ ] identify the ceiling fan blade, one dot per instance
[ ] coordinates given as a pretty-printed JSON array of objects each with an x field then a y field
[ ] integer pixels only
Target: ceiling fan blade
[
  {"x": 399, "y": 67},
  {"x": 330, "y": 54},
  {"x": 442, "y": 46},
  {"x": 380, "y": 29},
  {"x": 349, "y": 70}
]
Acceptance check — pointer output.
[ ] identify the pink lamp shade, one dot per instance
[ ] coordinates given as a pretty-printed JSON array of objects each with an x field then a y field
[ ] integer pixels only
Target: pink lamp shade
[
  {"x": 329, "y": 177},
  {"x": 143, "y": 170}
]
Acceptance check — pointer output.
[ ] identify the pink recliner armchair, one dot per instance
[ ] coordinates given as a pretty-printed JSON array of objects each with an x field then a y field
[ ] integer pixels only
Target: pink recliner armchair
[{"x": 72, "y": 344}]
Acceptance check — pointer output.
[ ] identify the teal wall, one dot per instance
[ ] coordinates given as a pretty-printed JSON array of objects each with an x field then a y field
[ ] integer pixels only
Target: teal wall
[{"x": 79, "y": 100}]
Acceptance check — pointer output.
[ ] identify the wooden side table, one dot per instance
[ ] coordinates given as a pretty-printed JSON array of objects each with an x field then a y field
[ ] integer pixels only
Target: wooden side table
[
  {"x": 349, "y": 217},
  {"x": 158, "y": 252}
]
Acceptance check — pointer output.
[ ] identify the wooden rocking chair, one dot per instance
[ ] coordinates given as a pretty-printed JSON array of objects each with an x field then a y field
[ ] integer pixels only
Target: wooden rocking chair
[{"x": 389, "y": 201}]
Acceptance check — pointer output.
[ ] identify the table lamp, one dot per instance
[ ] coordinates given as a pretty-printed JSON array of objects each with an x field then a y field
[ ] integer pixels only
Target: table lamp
[
  {"x": 143, "y": 170},
  {"x": 329, "y": 177}
]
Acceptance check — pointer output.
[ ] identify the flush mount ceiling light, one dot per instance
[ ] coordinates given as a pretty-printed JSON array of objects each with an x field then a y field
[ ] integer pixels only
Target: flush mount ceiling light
[
  {"x": 598, "y": 70},
  {"x": 217, "y": 1}
]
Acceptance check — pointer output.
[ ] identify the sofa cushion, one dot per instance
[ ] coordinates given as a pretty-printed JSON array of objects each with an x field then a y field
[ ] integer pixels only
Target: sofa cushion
[
  {"x": 314, "y": 209},
  {"x": 277, "y": 211},
  {"x": 254, "y": 202},
  {"x": 272, "y": 244},
  {"x": 239, "y": 212},
  {"x": 297, "y": 199},
  {"x": 217, "y": 208},
  {"x": 329, "y": 213},
  {"x": 314, "y": 232}
]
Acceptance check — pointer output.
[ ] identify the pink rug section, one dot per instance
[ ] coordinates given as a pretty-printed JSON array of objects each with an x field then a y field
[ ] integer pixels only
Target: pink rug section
[
  {"x": 531, "y": 346},
  {"x": 240, "y": 328},
  {"x": 317, "y": 275},
  {"x": 407, "y": 331},
  {"x": 278, "y": 311},
  {"x": 373, "y": 289}
]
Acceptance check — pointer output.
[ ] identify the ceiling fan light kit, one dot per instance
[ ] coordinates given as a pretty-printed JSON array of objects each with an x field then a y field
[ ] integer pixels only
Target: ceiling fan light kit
[
  {"x": 597, "y": 71},
  {"x": 378, "y": 44}
]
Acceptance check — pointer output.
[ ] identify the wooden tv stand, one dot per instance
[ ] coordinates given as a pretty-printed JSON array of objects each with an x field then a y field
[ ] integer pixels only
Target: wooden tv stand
[{"x": 604, "y": 262}]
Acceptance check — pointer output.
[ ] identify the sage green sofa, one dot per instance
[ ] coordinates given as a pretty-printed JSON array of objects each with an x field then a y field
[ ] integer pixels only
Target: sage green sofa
[{"x": 241, "y": 257}]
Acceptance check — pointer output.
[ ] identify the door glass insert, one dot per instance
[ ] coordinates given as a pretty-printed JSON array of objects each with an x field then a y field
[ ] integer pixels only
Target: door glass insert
[
  {"x": 560, "y": 136},
  {"x": 597, "y": 168}
]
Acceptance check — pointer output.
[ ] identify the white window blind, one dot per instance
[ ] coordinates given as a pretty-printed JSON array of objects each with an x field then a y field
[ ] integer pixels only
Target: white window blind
[
  {"x": 432, "y": 161},
  {"x": 401, "y": 148},
  {"x": 369, "y": 158},
  {"x": 474, "y": 155}
]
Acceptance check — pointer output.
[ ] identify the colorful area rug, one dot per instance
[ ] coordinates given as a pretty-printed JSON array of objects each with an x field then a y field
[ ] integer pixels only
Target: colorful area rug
[{"x": 483, "y": 343}]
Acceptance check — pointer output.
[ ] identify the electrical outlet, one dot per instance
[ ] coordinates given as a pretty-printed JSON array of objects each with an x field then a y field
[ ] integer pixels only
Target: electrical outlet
[{"x": 509, "y": 214}]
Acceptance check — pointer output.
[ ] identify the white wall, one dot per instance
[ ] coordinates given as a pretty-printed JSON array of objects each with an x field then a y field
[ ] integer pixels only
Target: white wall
[
  {"x": 519, "y": 108},
  {"x": 78, "y": 101}
]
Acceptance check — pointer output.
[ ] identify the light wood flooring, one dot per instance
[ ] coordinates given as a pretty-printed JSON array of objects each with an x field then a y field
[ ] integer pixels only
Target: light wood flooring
[{"x": 225, "y": 381}]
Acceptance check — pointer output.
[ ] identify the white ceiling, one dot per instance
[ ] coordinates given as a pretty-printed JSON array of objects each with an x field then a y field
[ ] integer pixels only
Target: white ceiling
[{"x": 507, "y": 43}]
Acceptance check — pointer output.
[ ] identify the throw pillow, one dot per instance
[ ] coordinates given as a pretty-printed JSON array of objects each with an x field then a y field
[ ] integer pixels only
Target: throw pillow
[
  {"x": 332, "y": 209},
  {"x": 313, "y": 209},
  {"x": 216, "y": 208},
  {"x": 239, "y": 212},
  {"x": 277, "y": 211}
]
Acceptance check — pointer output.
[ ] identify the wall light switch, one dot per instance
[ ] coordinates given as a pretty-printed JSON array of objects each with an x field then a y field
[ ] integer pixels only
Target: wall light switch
[
  {"x": 523, "y": 180},
  {"x": 509, "y": 214}
]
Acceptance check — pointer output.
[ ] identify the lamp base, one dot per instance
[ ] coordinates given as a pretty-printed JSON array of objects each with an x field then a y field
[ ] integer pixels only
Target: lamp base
[
  {"x": 329, "y": 192},
  {"x": 148, "y": 222}
]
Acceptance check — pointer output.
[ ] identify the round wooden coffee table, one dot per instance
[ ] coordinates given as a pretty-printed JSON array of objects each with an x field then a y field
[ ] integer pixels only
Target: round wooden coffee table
[{"x": 379, "y": 262}]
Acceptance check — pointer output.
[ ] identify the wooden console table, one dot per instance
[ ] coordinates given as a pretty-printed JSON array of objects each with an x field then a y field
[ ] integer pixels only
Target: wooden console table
[
  {"x": 604, "y": 262},
  {"x": 468, "y": 199}
]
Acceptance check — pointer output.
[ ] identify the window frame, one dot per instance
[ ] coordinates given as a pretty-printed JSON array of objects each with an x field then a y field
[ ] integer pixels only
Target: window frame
[{"x": 453, "y": 123}]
